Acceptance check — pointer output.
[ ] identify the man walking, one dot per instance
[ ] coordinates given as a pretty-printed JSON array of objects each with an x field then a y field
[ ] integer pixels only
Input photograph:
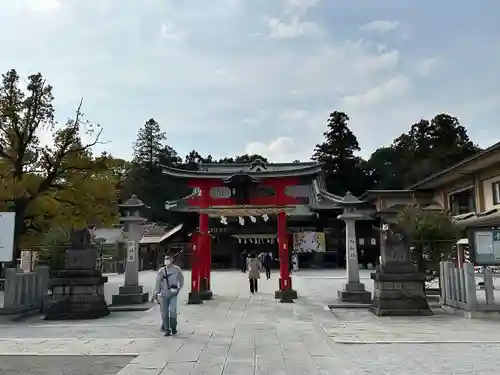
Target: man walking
[
  {"x": 169, "y": 282},
  {"x": 243, "y": 261},
  {"x": 267, "y": 263}
]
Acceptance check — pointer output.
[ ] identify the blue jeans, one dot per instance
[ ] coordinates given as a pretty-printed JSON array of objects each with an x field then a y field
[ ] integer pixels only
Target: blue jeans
[{"x": 168, "y": 308}]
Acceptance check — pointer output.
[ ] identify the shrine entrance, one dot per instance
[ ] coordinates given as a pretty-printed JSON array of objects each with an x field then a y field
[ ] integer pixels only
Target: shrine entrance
[
  {"x": 241, "y": 214},
  {"x": 246, "y": 194}
]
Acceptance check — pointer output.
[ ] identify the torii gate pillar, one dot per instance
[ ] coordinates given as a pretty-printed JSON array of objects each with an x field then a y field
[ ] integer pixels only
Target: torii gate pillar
[{"x": 285, "y": 293}]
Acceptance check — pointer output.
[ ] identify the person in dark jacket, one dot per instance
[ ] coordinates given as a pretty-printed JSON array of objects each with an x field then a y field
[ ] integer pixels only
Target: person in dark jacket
[
  {"x": 267, "y": 262},
  {"x": 243, "y": 261}
]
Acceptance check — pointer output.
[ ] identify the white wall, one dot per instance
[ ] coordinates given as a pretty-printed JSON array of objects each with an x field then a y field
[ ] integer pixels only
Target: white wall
[{"x": 488, "y": 192}]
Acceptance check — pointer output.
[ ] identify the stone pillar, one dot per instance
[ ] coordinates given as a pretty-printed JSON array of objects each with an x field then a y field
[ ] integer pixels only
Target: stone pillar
[
  {"x": 194, "y": 297},
  {"x": 131, "y": 293},
  {"x": 285, "y": 293},
  {"x": 353, "y": 291},
  {"x": 133, "y": 236}
]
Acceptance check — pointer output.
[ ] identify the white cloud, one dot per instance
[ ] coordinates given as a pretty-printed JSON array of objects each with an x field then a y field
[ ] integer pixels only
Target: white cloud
[
  {"x": 170, "y": 32},
  {"x": 279, "y": 150},
  {"x": 293, "y": 115},
  {"x": 428, "y": 66},
  {"x": 227, "y": 83},
  {"x": 295, "y": 28},
  {"x": 391, "y": 89},
  {"x": 258, "y": 118},
  {"x": 300, "y": 6},
  {"x": 380, "y": 26},
  {"x": 45, "y": 6}
]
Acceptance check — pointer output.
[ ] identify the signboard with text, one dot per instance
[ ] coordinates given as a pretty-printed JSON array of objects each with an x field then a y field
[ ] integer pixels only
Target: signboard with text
[
  {"x": 485, "y": 246},
  {"x": 7, "y": 222}
]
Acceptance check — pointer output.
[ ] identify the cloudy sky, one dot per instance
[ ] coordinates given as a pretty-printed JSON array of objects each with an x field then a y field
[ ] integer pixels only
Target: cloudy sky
[{"x": 232, "y": 76}]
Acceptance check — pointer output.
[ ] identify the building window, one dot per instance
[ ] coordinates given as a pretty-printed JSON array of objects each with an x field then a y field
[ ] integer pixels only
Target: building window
[
  {"x": 462, "y": 202},
  {"x": 496, "y": 193},
  {"x": 361, "y": 241}
]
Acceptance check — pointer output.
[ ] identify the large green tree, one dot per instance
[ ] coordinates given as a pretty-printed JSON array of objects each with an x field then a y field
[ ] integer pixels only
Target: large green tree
[
  {"x": 40, "y": 182},
  {"x": 428, "y": 147},
  {"x": 145, "y": 176},
  {"x": 344, "y": 171}
]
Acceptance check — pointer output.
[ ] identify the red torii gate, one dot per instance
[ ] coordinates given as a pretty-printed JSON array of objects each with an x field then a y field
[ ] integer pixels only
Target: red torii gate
[{"x": 233, "y": 194}]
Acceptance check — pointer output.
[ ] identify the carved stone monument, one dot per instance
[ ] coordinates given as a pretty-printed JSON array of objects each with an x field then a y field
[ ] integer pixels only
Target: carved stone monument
[
  {"x": 78, "y": 290},
  {"x": 399, "y": 287}
]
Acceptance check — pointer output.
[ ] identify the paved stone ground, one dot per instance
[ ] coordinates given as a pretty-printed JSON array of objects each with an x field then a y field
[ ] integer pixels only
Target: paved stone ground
[
  {"x": 237, "y": 333},
  {"x": 62, "y": 365}
]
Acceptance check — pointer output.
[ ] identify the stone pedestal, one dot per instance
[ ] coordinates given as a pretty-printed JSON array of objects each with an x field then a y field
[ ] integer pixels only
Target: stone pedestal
[
  {"x": 77, "y": 291},
  {"x": 399, "y": 287},
  {"x": 130, "y": 295},
  {"x": 354, "y": 293},
  {"x": 399, "y": 290}
]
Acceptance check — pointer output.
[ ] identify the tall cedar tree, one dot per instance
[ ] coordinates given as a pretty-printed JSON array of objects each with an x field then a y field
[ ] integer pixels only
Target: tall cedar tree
[
  {"x": 337, "y": 153},
  {"x": 146, "y": 178}
]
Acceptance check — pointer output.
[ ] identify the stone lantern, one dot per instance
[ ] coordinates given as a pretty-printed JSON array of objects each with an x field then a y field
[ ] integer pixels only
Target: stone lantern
[
  {"x": 131, "y": 292},
  {"x": 354, "y": 291}
]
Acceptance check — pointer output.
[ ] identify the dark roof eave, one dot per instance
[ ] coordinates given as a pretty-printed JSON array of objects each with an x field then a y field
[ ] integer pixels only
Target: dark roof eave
[
  {"x": 302, "y": 171},
  {"x": 336, "y": 199}
]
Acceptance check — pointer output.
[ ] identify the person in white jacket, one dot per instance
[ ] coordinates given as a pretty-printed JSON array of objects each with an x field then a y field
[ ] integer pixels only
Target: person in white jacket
[{"x": 169, "y": 282}]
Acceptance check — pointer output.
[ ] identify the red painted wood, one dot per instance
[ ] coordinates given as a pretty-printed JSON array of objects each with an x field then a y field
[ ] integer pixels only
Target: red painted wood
[
  {"x": 195, "y": 263},
  {"x": 279, "y": 184},
  {"x": 283, "y": 251}
]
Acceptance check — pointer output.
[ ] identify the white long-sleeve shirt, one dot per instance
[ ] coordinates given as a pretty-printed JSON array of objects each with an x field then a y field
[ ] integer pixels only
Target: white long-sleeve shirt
[{"x": 173, "y": 274}]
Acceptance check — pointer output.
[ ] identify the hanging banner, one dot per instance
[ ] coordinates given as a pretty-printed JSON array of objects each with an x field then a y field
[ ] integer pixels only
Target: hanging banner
[
  {"x": 7, "y": 221},
  {"x": 307, "y": 242}
]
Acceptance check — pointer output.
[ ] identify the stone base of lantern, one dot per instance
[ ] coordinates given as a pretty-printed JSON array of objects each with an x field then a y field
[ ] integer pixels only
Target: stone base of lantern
[
  {"x": 130, "y": 295},
  {"x": 354, "y": 293}
]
